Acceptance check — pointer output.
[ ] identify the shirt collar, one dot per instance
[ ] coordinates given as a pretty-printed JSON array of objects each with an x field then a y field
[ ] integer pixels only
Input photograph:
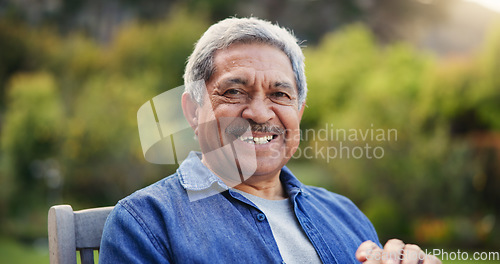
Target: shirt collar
[
  {"x": 291, "y": 184},
  {"x": 195, "y": 176}
]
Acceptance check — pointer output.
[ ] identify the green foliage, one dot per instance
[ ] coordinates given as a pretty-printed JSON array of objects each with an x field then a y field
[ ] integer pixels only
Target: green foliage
[
  {"x": 32, "y": 131},
  {"x": 102, "y": 131},
  {"x": 428, "y": 172},
  {"x": 141, "y": 62},
  {"x": 69, "y": 131},
  {"x": 334, "y": 69},
  {"x": 14, "y": 45},
  {"x": 34, "y": 113},
  {"x": 161, "y": 49},
  {"x": 485, "y": 90}
]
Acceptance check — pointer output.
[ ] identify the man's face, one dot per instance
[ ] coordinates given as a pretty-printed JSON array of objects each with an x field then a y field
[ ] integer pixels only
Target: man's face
[{"x": 251, "y": 104}]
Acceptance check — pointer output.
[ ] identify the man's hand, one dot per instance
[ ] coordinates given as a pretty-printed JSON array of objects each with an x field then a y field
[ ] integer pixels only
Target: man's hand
[{"x": 395, "y": 251}]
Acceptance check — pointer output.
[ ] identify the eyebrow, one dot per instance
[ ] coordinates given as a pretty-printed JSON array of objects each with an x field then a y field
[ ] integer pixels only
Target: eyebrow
[
  {"x": 283, "y": 84},
  {"x": 235, "y": 81},
  {"x": 241, "y": 81}
]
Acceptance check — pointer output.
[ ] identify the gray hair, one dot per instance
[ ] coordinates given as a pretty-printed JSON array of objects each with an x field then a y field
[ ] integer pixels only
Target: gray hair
[{"x": 200, "y": 65}]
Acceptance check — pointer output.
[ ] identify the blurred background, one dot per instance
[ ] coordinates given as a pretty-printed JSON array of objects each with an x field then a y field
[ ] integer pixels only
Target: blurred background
[{"x": 74, "y": 73}]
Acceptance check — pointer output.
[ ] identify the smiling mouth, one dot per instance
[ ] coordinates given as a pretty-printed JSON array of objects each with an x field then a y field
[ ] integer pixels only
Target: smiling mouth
[{"x": 257, "y": 140}]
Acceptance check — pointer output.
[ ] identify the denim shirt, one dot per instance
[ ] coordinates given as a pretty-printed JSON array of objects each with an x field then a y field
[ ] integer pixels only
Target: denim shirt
[{"x": 193, "y": 217}]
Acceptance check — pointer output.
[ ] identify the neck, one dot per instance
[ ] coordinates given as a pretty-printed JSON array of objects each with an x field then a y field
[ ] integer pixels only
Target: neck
[{"x": 269, "y": 188}]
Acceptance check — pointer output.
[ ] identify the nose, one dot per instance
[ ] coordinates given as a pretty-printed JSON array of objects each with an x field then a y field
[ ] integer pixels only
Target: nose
[{"x": 258, "y": 111}]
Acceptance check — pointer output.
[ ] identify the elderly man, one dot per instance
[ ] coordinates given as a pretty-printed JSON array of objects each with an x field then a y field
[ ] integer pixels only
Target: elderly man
[{"x": 236, "y": 201}]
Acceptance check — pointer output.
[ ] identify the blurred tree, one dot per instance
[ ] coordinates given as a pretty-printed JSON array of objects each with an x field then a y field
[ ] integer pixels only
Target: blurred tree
[
  {"x": 32, "y": 133},
  {"x": 395, "y": 20},
  {"x": 160, "y": 48},
  {"x": 141, "y": 62},
  {"x": 70, "y": 133},
  {"x": 484, "y": 99},
  {"x": 102, "y": 154},
  {"x": 390, "y": 20},
  {"x": 485, "y": 90},
  {"x": 425, "y": 173},
  {"x": 14, "y": 56}
]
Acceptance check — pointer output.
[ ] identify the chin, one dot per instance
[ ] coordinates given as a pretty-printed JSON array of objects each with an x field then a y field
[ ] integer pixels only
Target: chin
[{"x": 268, "y": 166}]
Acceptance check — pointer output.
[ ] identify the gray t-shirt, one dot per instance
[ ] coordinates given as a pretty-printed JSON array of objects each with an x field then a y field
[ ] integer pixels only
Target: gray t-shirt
[{"x": 292, "y": 241}]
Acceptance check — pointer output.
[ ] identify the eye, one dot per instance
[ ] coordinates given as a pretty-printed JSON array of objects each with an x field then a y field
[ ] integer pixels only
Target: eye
[
  {"x": 281, "y": 95},
  {"x": 231, "y": 92},
  {"x": 283, "y": 98}
]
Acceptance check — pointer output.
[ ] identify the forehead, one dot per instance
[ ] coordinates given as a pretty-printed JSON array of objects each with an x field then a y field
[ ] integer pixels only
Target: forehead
[{"x": 258, "y": 56}]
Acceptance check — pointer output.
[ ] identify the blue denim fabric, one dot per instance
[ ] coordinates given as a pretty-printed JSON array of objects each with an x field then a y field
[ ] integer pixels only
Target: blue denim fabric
[{"x": 161, "y": 224}]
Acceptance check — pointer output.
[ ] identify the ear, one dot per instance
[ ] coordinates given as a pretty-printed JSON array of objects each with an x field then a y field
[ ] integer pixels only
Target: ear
[{"x": 190, "y": 110}]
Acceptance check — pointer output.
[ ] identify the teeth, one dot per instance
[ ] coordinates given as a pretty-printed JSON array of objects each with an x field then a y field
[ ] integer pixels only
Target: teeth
[{"x": 256, "y": 140}]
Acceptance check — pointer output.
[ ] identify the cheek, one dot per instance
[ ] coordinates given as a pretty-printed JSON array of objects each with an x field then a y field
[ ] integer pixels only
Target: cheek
[
  {"x": 290, "y": 120},
  {"x": 289, "y": 117},
  {"x": 228, "y": 110},
  {"x": 211, "y": 118},
  {"x": 206, "y": 120},
  {"x": 206, "y": 114}
]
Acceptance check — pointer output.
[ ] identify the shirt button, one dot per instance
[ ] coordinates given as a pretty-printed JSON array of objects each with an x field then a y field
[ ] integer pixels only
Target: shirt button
[{"x": 261, "y": 217}]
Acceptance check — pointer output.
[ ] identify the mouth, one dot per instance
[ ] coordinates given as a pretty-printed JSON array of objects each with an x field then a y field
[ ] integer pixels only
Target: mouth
[
  {"x": 254, "y": 133},
  {"x": 254, "y": 140}
]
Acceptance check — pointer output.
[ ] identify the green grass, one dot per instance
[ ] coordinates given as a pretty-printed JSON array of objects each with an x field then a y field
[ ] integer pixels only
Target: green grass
[{"x": 14, "y": 252}]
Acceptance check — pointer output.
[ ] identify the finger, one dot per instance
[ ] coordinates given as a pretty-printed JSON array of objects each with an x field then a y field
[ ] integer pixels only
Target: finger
[
  {"x": 431, "y": 259},
  {"x": 412, "y": 254},
  {"x": 393, "y": 250},
  {"x": 365, "y": 250}
]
